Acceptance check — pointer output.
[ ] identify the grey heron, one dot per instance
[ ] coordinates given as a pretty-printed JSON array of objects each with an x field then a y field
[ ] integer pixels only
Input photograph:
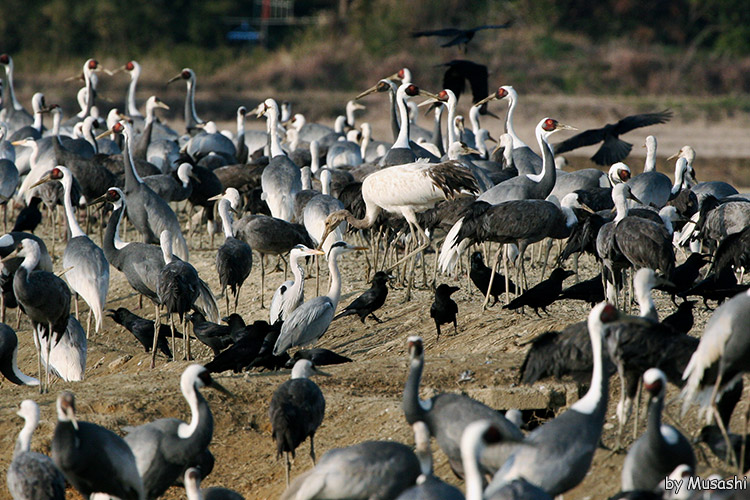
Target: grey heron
[
  {"x": 661, "y": 448},
  {"x": 8, "y": 352},
  {"x": 291, "y": 293},
  {"x": 31, "y": 475},
  {"x": 296, "y": 411},
  {"x": 368, "y": 470},
  {"x": 45, "y": 298},
  {"x": 93, "y": 459},
  {"x": 234, "y": 259},
  {"x": 560, "y": 451},
  {"x": 89, "y": 270},
  {"x": 164, "y": 447},
  {"x": 447, "y": 416},
  {"x": 308, "y": 322}
]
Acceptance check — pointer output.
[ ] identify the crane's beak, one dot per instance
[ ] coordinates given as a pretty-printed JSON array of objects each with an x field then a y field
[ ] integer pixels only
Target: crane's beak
[
  {"x": 174, "y": 78},
  {"x": 490, "y": 138},
  {"x": 427, "y": 102},
  {"x": 72, "y": 417},
  {"x": 105, "y": 134},
  {"x": 195, "y": 178},
  {"x": 43, "y": 180},
  {"x": 215, "y": 385},
  {"x": 74, "y": 77},
  {"x": 260, "y": 110},
  {"x": 635, "y": 198},
  {"x": 467, "y": 150},
  {"x": 11, "y": 255},
  {"x": 111, "y": 72},
  {"x": 676, "y": 155},
  {"x": 587, "y": 208},
  {"x": 562, "y": 126},
  {"x": 317, "y": 371},
  {"x": 367, "y": 92},
  {"x": 162, "y": 104},
  {"x": 99, "y": 200},
  {"x": 358, "y": 106},
  {"x": 217, "y": 197},
  {"x": 486, "y": 99}
]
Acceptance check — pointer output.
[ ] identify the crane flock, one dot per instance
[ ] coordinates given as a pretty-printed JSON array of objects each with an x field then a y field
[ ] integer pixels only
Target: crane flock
[{"x": 396, "y": 200}]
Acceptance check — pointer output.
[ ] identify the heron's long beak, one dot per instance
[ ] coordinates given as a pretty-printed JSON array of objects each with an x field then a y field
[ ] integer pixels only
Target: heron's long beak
[
  {"x": 174, "y": 78},
  {"x": 44, "y": 179},
  {"x": 367, "y": 92},
  {"x": 214, "y": 384},
  {"x": 19, "y": 143},
  {"x": 315, "y": 251}
]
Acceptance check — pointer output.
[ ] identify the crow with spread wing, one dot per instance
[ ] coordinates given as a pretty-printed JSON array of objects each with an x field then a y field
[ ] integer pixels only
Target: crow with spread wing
[
  {"x": 459, "y": 36},
  {"x": 459, "y": 71},
  {"x": 614, "y": 149}
]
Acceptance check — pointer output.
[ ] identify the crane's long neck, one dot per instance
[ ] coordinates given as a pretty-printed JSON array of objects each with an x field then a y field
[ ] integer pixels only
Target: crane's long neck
[
  {"x": 402, "y": 141},
  {"x": 132, "y": 179},
  {"x": 38, "y": 120},
  {"x": 30, "y": 262},
  {"x": 191, "y": 117},
  {"x": 271, "y": 124},
  {"x": 395, "y": 129},
  {"x": 11, "y": 89},
  {"x": 88, "y": 134},
  {"x": 334, "y": 291},
  {"x": 646, "y": 303},
  {"x": 517, "y": 142},
  {"x": 414, "y": 408},
  {"x": 56, "y": 119},
  {"x": 595, "y": 397},
  {"x": 451, "y": 121},
  {"x": 150, "y": 114},
  {"x": 474, "y": 119},
  {"x": 650, "y": 164},
  {"x": 226, "y": 218},
  {"x": 653, "y": 424},
  {"x": 366, "y": 137},
  {"x": 472, "y": 474},
  {"x": 23, "y": 442},
  {"x": 350, "y": 116},
  {"x": 679, "y": 175},
  {"x": 240, "y": 139},
  {"x": 130, "y": 105},
  {"x": 197, "y": 434},
  {"x": 75, "y": 229},
  {"x": 89, "y": 93},
  {"x": 621, "y": 205},
  {"x": 548, "y": 176},
  {"x": 437, "y": 130},
  {"x": 112, "y": 236}
]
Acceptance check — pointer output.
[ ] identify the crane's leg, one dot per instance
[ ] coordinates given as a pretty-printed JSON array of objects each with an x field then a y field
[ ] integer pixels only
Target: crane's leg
[
  {"x": 731, "y": 457},
  {"x": 226, "y": 298},
  {"x": 495, "y": 261},
  {"x": 317, "y": 276},
  {"x": 312, "y": 447},
  {"x": 75, "y": 298},
  {"x": 743, "y": 447},
  {"x": 420, "y": 247},
  {"x": 88, "y": 323},
  {"x": 623, "y": 413},
  {"x": 548, "y": 247},
  {"x": 49, "y": 351},
  {"x": 288, "y": 468},
  {"x": 38, "y": 344},
  {"x": 637, "y": 408},
  {"x": 437, "y": 339},
  {"x": 237, "y": 297},
  {"x": 262, "y": 279},
  {"x": 171, "y": 326},
  {"x": 2, "y": 308},
  {"x": 185, "y": 335},
  {"x": 507, "y": 276},
  {"x": 410, "y": 266},
  {"x": 157, "y": 327}
]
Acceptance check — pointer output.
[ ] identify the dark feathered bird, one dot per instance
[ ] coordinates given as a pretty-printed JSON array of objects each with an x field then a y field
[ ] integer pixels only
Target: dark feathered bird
[
  {"x": 542, "y": 294},
  {"x": 459, "y": 36},
  {"x": 444, "y": 310},
  {"x": 29, "y": 217},
  {"x": 480, "y": 275},
  {"x": 459, "y": 71},
  {"x": 685, "y": 275},
  {"x": 682, "y": 319},
  {"x": 712, "y": 436},
  {"x": 370, "y": 301},
  {"x": 590, "y": 290},
  {"x": 143, "y": 329},
  {"x": 733, "y": 252},
  {"x": 319, "y": 357},
  {"x": 296, "y": 411},
  {"x": 614, "y": 149},
  {"x": 718, "y": 287},
  {"x": 204, "y": 463},
  {"x": 216, "y": 336},
  {"x": 243, "y": 352},
  {"x": 266, "y": 358}
]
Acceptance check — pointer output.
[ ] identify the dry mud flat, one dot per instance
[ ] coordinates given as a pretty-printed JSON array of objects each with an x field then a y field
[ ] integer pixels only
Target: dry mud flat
[{"x": 362, "y": 398}]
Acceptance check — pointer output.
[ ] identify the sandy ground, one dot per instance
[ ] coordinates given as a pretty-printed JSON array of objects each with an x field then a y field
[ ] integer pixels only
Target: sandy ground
[{"x": 362, "y": 398}]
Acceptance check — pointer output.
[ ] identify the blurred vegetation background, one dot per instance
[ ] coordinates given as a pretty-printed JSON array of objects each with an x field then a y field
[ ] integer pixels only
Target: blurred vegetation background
[{"x": 696, "y": 47}]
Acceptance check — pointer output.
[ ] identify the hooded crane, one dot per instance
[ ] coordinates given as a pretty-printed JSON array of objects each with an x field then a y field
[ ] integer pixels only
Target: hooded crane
[
  {"x": 149, "y": 213},
  {"x": 560, "y": 452},
  {"x": 193, "y": 490},
  {"x": 92, "y": 458},
  {"x": 308, "y": 322},
  {"x": 651, "y": 187},
  {"x": 296, "y": 411},
  {"x": 46, "y": 300},
  {"x": 8, "y": 353},
  {"x": 234, "y": 259},
  {"x": 31, "y": 475},
  {"x": 291, "y": 293},
  {"x": 164, "y": 447},
  {"x": 88, "y": 269},
  {"x": 447, "y": 416},
  {"x": 662, "y": 448}
]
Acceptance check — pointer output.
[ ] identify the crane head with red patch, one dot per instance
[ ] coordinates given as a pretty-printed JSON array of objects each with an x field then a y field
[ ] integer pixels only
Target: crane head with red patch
[
  {"x": 415, "y": 347},
  {"x": 4, "y": 59},
  {"x": 130, "y": 66}
]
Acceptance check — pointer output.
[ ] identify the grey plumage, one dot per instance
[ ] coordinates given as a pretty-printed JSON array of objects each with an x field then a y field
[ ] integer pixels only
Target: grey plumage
[
  {"x": 169, "y": 187},
  {"x": 92, "y": 458}
]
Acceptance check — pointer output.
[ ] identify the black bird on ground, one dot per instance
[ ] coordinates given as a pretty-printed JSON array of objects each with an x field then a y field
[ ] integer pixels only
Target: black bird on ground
[
  {"x": 143, "y": 329},
  {"x": 712, "y": 436},
  {"x": 542, "y": 294},
  {"x": 266, "y": 358},
  {"x": 370, "y": 301},
  {"x": 319, "y": 357},
  {"x": 590, "y": 290},
  {"x": 29, "y": 217},
  {"x": 718, "y": 287},
  {"x": 733, "y": 251},
  {"x": 459, "y": 36},
  {"x": 243, "y": 352},
  {"x": 682, "y": 319},
  {"x": 614, "y": 149},
  {"x": 684, "y": 275},
  {"x": 444, "y": 310},
  {"x": 480, "y": 275},
  {"x": 216, "y": 336}
]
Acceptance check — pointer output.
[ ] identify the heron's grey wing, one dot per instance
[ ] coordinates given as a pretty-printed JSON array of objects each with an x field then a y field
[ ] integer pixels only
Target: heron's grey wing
[{"x": 306, "y": 324}]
